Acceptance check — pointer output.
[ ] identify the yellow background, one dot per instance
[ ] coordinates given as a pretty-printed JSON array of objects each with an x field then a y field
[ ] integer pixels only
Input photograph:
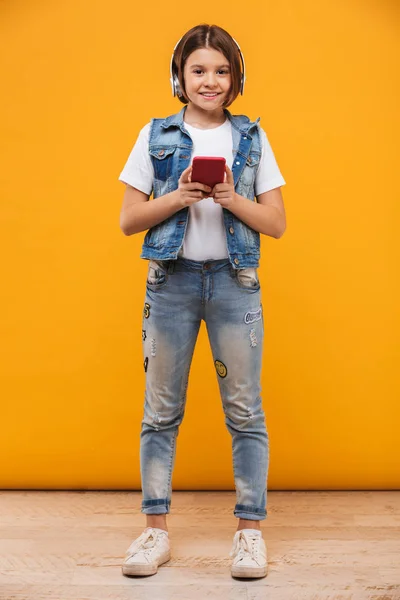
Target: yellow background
[{"x": 79, "y": 80}]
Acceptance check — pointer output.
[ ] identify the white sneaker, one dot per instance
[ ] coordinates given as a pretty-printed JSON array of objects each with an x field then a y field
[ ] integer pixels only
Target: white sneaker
[
  {"x": 249, "y": 555},
  {"x": 147, "y": 553}
]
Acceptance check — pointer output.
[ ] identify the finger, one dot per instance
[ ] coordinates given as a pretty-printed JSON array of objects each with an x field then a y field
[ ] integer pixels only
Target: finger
[
  {"x": 229, "y": 175},
  {"x": 224, "y": 195},
  {"x": 195, "y": 185},
  {"x": 185, "y": 177},
  {"x": 197, "y": 194}
]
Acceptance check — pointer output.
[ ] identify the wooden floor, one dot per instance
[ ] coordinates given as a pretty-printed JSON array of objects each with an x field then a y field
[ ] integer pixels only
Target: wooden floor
[{"x": 321, "y": 546}]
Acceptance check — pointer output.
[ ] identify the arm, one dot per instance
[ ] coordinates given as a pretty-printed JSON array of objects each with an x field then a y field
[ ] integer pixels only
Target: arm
[
  {"x": 137, "y": 214},
  {"x": 267, "y": 215}
]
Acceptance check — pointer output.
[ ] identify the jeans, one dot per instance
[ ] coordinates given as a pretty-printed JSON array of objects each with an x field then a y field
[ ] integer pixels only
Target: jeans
[{"x": 179, "y": 294}]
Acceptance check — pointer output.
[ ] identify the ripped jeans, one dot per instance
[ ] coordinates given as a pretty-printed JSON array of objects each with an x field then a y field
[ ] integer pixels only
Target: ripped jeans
[{"x": 179, "y": 294}]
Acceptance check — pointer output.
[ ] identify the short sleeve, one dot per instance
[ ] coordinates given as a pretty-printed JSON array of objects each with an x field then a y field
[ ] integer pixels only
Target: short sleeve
[
  {"x": 268, "y": 174},
  {"x": 138, "y": 170}
]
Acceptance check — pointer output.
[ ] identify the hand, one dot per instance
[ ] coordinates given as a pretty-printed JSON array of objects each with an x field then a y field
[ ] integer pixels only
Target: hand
[
  {"x": 224, "y": 193},
  {"x": 190, "y": 192}
]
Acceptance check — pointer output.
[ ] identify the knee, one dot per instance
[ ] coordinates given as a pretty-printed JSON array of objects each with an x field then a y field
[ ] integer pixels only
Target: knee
[
  {"x": 162, "y": 420},
  {"x": 245, "y": 416}
]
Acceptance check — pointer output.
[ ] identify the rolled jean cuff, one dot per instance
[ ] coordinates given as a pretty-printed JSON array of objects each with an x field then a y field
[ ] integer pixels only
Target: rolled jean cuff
[
  {"x": 159, "y": 506},
  {"x": 252, "y": 513}
]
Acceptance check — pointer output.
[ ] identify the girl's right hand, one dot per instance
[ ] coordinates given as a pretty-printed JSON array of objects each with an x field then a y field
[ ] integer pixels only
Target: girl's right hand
[{"x": 190, "y": 192}]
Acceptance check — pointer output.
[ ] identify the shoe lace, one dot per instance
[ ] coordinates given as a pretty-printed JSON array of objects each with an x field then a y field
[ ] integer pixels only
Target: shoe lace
[
  {"x": 144, "y": 543},
  {"x": 245, "y": 544}
]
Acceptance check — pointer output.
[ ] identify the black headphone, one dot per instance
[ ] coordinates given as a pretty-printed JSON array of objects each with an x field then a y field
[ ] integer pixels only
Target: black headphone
[{"x": 176, "y": 88}]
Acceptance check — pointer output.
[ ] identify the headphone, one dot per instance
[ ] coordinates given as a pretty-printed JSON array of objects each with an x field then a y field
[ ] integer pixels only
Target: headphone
[{"x": 176, "y": 88}]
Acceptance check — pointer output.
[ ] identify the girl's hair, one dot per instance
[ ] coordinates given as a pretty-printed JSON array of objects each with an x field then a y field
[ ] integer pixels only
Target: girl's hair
[{"x": 207, "y": 36}]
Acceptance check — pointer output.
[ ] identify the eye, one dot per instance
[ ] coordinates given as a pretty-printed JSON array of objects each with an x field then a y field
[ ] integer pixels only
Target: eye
[{"x": 223, "y": 71}]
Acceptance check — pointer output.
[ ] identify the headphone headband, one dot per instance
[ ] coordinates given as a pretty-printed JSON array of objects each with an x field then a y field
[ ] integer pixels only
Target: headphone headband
[{"x": 176, "y": 90}]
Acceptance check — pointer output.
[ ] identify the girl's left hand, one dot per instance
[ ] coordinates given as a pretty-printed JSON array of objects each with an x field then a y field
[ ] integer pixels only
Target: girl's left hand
[{"x": 224, "y": 193}]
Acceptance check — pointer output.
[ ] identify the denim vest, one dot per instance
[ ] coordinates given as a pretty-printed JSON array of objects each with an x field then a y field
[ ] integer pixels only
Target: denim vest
[{"x": 170, "y": 148}]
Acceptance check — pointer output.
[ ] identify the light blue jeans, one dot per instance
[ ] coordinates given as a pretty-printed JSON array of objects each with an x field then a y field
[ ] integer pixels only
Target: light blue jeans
[{"x": 179, "y": 294}]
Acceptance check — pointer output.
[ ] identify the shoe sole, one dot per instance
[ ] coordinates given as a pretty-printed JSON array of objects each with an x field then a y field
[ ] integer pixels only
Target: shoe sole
[
  {"x": 146, "y": 569},
  {"x": 249, "y": 572}
]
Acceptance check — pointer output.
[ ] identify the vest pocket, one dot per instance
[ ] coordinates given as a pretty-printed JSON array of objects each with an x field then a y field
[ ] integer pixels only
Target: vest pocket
[{"x": 162, "y": 157}]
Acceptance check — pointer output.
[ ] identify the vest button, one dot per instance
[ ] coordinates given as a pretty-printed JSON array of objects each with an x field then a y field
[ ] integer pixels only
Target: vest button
[
  {"x": 231, "y": 230},
  {"x": 236, "y": 261},
  {"x": 238, "y": 162},
  {"x": 161, "y": 152}
]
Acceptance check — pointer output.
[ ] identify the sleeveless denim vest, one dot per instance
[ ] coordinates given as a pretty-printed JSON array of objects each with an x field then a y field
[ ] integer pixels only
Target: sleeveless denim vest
[{"x": 170, "y": 148}]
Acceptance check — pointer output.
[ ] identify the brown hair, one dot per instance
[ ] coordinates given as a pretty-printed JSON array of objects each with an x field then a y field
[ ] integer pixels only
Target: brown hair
[{"x": 208, "y": 36}]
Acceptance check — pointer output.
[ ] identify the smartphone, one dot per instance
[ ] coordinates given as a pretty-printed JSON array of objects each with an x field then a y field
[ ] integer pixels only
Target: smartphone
[{"x": 209, "y": 170}]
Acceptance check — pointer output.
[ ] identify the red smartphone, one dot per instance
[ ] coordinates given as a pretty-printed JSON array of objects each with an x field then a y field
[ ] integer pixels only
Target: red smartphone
[{"x": 209, "y": 170}]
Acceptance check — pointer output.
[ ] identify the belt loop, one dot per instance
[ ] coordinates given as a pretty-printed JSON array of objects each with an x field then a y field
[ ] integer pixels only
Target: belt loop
[{"x": 171, "y": 266}]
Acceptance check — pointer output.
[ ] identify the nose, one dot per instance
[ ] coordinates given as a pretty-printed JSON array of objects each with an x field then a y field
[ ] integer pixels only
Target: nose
[{"x": 210, "y": 80}]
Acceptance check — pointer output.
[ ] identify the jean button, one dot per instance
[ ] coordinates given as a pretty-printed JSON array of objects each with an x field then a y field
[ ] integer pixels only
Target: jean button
[
  {"x": 231, "y": 230},
  {"x": 236, "y": 261}
]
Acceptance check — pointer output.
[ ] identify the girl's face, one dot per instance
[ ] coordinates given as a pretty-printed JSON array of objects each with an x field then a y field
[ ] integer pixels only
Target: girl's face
[{"x": 207, "y": 78}]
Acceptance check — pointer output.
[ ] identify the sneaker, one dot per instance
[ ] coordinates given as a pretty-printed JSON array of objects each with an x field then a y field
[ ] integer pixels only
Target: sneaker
[
  {"x": 249, "y": 555},
  {"x": 147, "y": 553}
]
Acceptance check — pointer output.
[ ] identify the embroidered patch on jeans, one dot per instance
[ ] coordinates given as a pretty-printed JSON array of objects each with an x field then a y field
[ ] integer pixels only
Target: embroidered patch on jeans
[
  {"x": 252, "y": 316},
  {"x": 146, "y": 311},
  {"x": 146, "y": 362},
  {"x": 221, "y": 368},
  {"x": 144, "y": 334}
]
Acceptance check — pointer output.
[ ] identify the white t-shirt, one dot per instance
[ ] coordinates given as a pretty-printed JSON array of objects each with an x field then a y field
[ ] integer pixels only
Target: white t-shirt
[{"x": 205, "y": 237}]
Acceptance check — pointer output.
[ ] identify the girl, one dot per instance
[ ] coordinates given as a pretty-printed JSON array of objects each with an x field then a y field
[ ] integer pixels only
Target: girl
[{"x": 203, "y": 247}]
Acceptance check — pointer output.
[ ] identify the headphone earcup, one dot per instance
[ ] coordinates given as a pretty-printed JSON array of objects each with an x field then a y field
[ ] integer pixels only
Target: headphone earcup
[{"x": 176, "y": 86}]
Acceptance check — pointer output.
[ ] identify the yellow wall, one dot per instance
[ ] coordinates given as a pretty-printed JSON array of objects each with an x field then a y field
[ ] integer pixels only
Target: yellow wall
[{"x": 78, "y": 82}]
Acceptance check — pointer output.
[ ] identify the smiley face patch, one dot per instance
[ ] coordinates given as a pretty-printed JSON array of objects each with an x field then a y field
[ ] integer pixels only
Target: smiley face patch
[
  {"x": 146, "y": 311},
  {"x": 221, "y": 368}
]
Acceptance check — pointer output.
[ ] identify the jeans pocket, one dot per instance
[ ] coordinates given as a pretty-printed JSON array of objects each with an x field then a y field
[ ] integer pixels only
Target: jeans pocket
[
  {"x": 247, "y": 278},
  {"x": 156, "y": 274}
]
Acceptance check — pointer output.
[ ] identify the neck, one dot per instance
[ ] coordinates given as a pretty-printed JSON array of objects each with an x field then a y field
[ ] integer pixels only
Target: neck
[{"x": 196, "y": 116}]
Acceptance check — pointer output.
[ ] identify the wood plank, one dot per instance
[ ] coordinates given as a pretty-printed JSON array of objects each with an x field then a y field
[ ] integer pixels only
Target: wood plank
[{"x": 63, "y": 545}]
